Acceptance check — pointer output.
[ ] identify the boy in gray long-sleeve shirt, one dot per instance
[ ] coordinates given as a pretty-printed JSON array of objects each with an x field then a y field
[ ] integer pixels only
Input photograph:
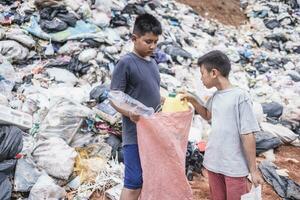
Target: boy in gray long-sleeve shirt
[{"x": 230, "y": 154}]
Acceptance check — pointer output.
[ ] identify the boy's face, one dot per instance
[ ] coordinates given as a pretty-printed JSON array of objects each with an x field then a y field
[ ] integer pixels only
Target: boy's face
[
  {"x": 208, "y": 78},
  {"x": 145, "y": 44}
]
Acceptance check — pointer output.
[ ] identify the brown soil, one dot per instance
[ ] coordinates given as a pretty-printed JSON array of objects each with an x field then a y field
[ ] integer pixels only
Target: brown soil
[
  {"x": 283, "y": 155},
  {"x": 227, "y": 12}
]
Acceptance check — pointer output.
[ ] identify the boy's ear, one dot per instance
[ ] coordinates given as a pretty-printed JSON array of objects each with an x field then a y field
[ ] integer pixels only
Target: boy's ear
[{"x": 215, "y": 73}]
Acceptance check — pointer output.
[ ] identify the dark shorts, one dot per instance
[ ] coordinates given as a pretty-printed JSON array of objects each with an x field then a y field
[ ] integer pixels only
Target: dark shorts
[{"x": 133, "y": 171}]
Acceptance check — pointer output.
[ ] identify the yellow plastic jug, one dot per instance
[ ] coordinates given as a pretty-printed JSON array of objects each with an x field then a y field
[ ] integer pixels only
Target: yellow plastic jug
[{"x": 174, "y": 104}]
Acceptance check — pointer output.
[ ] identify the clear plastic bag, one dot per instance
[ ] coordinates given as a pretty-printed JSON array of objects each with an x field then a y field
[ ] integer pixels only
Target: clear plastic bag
[
  {"x": 63, "y": 119},
  {"x": 254, "y": 194},
  {"x": 125, "y": 102},
  {"x": 26, "y": 175},
  {"x": 6, "y": 87}
]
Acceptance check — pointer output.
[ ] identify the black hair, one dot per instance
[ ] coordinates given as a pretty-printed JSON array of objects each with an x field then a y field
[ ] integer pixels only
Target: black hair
[
  {"x": 147, "y": 23},
  {"x": 216, "y": 60}
]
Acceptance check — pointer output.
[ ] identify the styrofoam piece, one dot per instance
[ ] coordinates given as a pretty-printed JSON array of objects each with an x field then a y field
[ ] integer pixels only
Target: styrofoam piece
[{"x": 15, "y": 117}]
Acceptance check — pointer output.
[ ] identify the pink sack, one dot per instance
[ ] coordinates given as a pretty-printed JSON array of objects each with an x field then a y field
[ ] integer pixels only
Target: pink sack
[{"x": 162, "y": 143}]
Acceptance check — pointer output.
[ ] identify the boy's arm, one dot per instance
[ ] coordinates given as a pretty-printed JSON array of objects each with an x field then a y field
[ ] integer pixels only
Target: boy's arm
[
  {"x": 119, "y": 82},
  {"x": 133, "y": 117},
  {"x": 249, "y": 145},
  {"x": 200, "y": 109}
]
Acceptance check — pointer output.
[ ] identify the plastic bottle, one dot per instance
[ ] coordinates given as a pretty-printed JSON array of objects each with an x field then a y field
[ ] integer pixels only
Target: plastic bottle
[
  {"x": 173, "y": 103},
  {"x": 125, "y": 102}
]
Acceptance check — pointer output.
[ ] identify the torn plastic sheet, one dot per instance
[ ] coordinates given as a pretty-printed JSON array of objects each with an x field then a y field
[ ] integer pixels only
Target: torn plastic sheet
[{"x": 80, "y": 31}]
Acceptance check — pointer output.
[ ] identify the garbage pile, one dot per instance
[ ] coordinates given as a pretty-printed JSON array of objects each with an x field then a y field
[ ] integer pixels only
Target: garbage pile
[
  {"x": 194, "y": 160},
  {"x": 56, "y": 60}
]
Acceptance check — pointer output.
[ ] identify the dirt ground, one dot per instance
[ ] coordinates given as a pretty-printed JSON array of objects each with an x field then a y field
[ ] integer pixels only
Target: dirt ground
[
  {"x": 283, "y": 155},
  {"x": 227, "y": 12}
]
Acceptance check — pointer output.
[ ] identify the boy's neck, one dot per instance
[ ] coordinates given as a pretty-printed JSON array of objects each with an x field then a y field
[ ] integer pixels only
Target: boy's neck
[
  {"x": 145, "y": 58},
  {"x": 223, "y": 83}
]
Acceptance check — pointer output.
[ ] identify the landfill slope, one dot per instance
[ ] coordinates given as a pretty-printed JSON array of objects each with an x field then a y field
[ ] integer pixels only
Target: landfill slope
[{"x": 227, "y": 12}]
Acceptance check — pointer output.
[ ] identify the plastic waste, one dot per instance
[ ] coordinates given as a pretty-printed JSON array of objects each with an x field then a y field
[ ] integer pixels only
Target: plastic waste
[
  {"x": 87, "y": 168},
  {"x": 10, "y": 142},
  {"x": 6, "y": 87},
  {"x": 272, "y": 109},
  {"x": 20, "y": 36},
  {"x": 173, "y": 103},
  {"x": 100, "y": 19},
  {"x": 63, "y": 119},
  {"x": 103, "y": 5},
  {"x": 114, "y": 193},
  {"x": 15, "y": 117},
  {"x": 254, "y": 194},
  {"x": 77, "y": 67},
  {"x": 193, "y": 161},
  {"x": 99, "y": 93},
  {"x": 284, "y": 187},
  {"x": 13, "y": 51},
  {"x": 6, "y": 171},
  {"x": 107, "y": 112},
  {"x": 26, "y": 175},
  {"x": 49, "y": 50},
  {"x": 127, "y": 103},
  {"x": 286, "y": 136},
  {"x": 266, "y": 141},
  {"x": 45, "y": 188},
  {"x": 63, "y": 75},
  {"x": 52, "y": 26},
  {"x": 116, "y": 144},
  {"x": 6, "y": 69},
  {"x": 80, "y": 31},
  {"x": 70, "y": 47},
  {"x": 87, "y": 55},
  {"x": 10, "y": 146},
  {"x": 55, "y": 157}
]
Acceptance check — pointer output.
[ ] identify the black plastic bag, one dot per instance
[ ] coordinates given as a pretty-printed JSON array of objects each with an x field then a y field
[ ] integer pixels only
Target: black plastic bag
[
  {"x": 6, "y": 170},
  {"x": 10, "y": 142},
  {"x": 266, "y": 141},
  {"x": 99, "y": 93},
  {"x": 55, "y": 25},
  {"x": 116, "y": 143},
  {"x": 76, "y": 66},
  {"x": 193, "y": 161},
  {"x": 272, "y": 109}
]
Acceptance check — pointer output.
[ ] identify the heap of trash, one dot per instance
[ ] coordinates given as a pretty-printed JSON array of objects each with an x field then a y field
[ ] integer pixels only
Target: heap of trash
[{"x": 59, "y": 135}]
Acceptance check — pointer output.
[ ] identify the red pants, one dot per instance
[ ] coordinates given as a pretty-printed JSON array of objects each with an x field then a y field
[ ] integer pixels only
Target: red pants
[{"x": 227, "y": 188}]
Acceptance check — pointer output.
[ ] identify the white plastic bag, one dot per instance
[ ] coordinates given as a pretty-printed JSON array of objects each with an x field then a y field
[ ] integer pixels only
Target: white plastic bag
[
  {"x": 254, "y": 194},
  {"x": 55, "y": 157},
  {"x": 45, "y": 188}
]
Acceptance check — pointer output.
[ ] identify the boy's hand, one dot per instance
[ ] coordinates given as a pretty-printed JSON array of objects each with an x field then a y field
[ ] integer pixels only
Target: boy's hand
[
  {"x": 134, "y": 117},
  {"x": 256, "y": 178},
  {"x": 186, "y": 96},
  {"x": 162, "y": 100}
]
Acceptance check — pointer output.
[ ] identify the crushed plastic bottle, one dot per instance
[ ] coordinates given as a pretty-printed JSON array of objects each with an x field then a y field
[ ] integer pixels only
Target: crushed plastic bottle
[{"x": 125, "y": 102}]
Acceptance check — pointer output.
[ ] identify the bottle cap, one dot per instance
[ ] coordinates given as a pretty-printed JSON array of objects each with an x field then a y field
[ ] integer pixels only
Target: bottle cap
[{"x": 173, "y": 94}]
